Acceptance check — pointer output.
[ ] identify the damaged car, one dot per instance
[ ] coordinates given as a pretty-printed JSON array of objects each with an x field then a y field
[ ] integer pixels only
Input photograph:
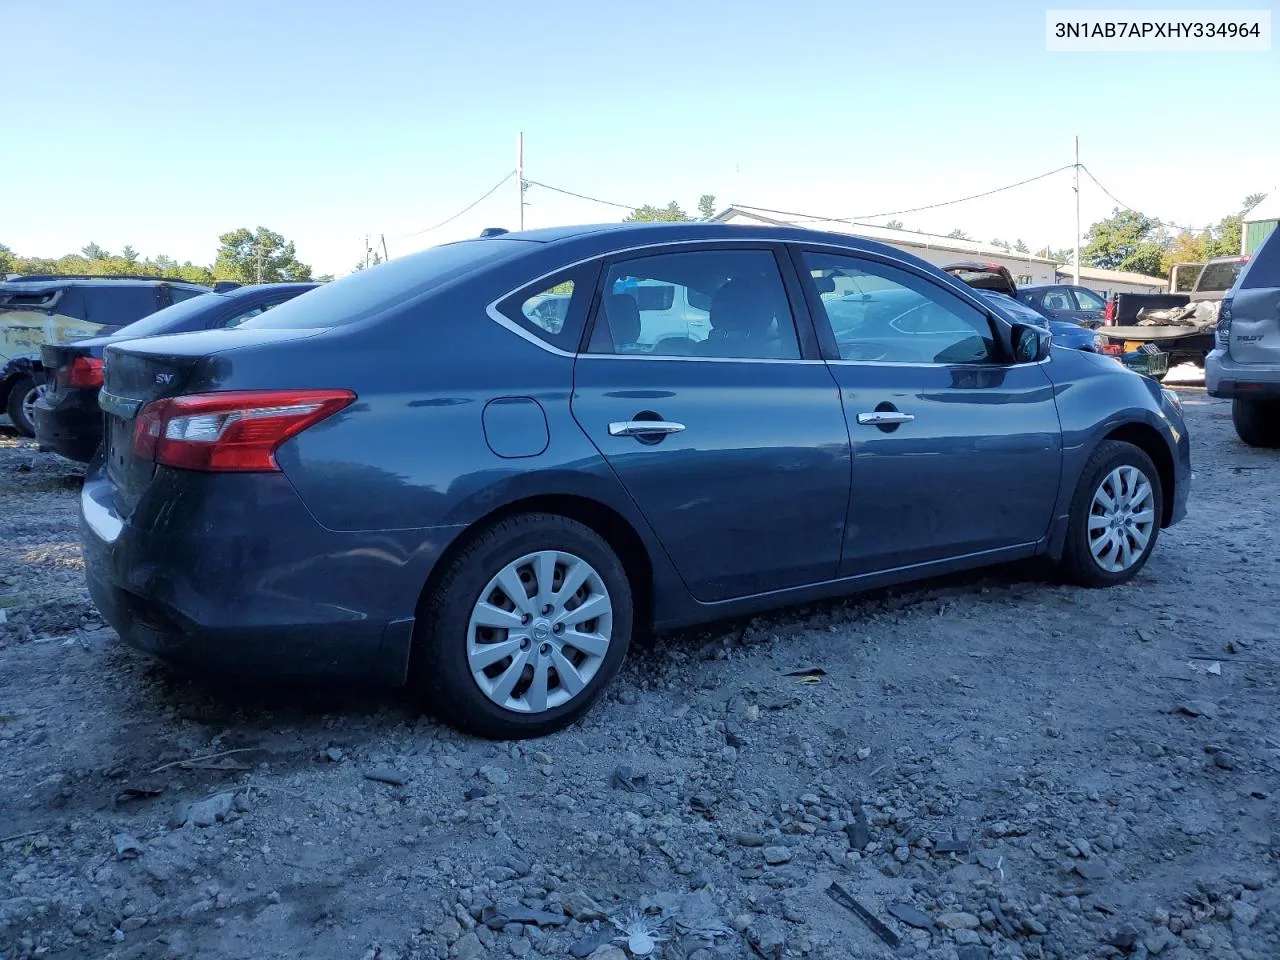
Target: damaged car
[{"x": 36, "y": 310}]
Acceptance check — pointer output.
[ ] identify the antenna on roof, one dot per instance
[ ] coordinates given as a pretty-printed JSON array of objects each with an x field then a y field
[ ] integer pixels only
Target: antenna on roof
[{"x": 493, "y": 231}]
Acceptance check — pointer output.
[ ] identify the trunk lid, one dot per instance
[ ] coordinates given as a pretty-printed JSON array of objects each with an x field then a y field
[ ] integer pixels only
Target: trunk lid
[{"x": 136, "y": 372}]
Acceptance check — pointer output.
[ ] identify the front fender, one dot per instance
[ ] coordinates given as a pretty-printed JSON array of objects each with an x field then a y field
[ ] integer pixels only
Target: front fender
[{"x": 1097, "y": 398}]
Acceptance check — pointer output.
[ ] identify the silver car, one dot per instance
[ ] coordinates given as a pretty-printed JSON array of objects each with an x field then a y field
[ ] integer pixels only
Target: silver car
[{"x": 1244, "y": 365}]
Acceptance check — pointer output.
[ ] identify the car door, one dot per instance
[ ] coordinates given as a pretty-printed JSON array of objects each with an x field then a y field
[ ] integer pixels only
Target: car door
[
  {"x": 733, "y": 446},
  {"x": 956, "y": 450},
  {"x": 1088, "y": 305}
]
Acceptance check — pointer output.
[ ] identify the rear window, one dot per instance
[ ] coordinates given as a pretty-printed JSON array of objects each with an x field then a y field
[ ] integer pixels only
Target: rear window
[
  {"x": 1263, "y": 268},
  {"x": 175, "y": 319},
  {"x": 366, "y": 293},
  {"x": 1218, "y": 276}
]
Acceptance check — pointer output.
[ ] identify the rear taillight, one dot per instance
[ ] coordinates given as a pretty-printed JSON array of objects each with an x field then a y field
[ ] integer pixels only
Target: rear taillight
[
  {"x": 1114, "y": 350},
  {"x": 82, "y": 372},
  {"x": 1109, "y": 314},
  {"x": 236, "y": 431},
  {"x": 1222, "y": 333}
]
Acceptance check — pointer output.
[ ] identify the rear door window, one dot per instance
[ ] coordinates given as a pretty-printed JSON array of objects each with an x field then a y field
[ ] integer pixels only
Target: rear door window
[
  {"x": 1218, "y": 276},
  {"x": 1263, "y": 268},
  {"x": 727, "y": 304}
]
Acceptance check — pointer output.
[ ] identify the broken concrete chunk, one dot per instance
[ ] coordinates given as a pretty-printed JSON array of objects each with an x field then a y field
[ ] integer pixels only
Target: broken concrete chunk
[
  {"x": 909, "y": 915},
  {"x": 127, "y": 847},
  {"x": 776, "y": 856}
]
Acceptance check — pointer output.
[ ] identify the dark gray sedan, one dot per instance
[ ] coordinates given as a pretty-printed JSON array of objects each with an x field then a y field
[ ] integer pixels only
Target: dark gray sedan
[{"x": 414, "y": 474}]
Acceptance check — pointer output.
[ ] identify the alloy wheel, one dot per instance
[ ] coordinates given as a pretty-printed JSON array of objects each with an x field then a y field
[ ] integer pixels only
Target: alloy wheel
[
  {"x": 29, "y": 402},
  {"x": 1122, "y": 519},
  {"x": 539, "y": 632}
]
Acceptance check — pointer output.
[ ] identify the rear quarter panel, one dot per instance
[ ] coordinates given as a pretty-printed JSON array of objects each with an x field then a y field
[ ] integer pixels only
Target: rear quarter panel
[{"x": 412, "y": 452}]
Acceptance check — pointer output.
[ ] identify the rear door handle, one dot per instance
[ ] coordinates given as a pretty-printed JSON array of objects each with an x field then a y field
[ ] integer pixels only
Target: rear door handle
[
  {"x": 883, "y": 417},
  {"x": 640, "y": 428}
]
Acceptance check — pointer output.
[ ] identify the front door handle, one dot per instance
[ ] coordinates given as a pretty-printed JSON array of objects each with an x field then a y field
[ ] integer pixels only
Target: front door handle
[
  {"x": 883, "y": 417},
  {"x": 641, "y": 428}
]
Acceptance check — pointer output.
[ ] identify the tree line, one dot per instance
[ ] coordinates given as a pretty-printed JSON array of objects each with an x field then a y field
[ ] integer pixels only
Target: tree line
[
  {"x": 244, "y": 256},
  {"x": 1127, "y": 240}
]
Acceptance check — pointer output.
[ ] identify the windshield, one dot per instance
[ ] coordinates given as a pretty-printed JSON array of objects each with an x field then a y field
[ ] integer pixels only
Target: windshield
[
  {"x": 366, "y": 293},
  {"x": 171, "y": 319},
  {"x": 1218, "y": 276}
]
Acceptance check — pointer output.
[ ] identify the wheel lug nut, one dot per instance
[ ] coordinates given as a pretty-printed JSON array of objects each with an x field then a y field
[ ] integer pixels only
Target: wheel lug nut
[
  {"x": 524, "y": 620},
  {"x": 544, "y": 649},
  {"x": 525, "y": 643},
  {"x": 546, "y": 610},
  {"x": 558, "y": 628}
]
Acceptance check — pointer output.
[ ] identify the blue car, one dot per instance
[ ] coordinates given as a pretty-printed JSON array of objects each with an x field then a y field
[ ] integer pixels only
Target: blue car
[
  {"x": 412, "y": 475},
  {"x": 997, "y": 285}
]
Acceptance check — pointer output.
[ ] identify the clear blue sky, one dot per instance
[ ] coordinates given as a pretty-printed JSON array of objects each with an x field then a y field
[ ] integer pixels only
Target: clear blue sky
[{"x": 161, "y": 124}]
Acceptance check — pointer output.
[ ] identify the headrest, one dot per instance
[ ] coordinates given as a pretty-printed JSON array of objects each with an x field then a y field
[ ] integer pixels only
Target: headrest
[
  {"x": 745, "y": 305},
  {"x": 623, "y": 314}
]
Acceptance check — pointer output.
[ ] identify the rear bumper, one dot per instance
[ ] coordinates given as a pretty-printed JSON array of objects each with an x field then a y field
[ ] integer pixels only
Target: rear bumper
[
  {"x": 69, "y": 427},
  {"x": 230, "y": 575},
  {"x": 1225, "y": 378}
]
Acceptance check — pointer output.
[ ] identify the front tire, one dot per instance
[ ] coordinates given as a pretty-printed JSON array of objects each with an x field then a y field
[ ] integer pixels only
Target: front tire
[
  {"x": 1257, "y": 422},
  {"x": 1115, "y": 517},
  {"x": 525, "y": 628}
]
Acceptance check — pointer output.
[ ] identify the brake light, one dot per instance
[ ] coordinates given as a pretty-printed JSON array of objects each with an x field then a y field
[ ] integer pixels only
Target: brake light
[
  {"x": 1109, "y": 314},
  {"x": 1113, "y": 349},
  {"x": 1222, "y": 333},
  {"x": 83, "y": 372},
  {"x": 234, "y": 431}
]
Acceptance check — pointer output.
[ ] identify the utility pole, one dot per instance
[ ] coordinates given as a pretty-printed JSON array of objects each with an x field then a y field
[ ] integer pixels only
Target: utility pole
[
  {"x": 385, "y": 256},
  {"x": 520, "y": 175},
  {"x": 1075, "y": 270}
]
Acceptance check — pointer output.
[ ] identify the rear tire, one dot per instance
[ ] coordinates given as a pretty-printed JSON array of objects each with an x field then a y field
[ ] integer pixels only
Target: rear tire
[
  {"x": 1124, "y": 475},
  {"x": 22, "y": 395},
  {"x": 1257, "y": 422},
  {"x": 452, "y": 645}
]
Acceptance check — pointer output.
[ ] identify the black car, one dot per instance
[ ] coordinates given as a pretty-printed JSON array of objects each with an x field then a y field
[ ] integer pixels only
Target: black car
[
  {"x": 67, "y": 418},
  {"x": 35, "y": 310}
]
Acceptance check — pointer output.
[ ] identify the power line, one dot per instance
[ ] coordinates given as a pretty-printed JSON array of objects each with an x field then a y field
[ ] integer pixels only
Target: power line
[
  {"x": 1125, "y": 206},
  {"x": 581, "y": 196},
  {"x": 894, "y": 213},
  {"x": 467, "y": 209}
]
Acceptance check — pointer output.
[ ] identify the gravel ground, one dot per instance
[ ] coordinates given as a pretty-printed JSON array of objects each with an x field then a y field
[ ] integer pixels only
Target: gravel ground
[{"x": 990, "y": 766}]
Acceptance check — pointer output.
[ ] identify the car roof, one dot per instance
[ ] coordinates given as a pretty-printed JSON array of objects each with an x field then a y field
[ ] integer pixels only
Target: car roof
[
  {"x": 623, "y": 234},
  {"x": 258, "y": 289}
]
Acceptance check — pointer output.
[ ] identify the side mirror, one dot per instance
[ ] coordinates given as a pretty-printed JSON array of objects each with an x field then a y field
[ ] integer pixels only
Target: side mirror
[{"x": 1030, "y": 345}]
